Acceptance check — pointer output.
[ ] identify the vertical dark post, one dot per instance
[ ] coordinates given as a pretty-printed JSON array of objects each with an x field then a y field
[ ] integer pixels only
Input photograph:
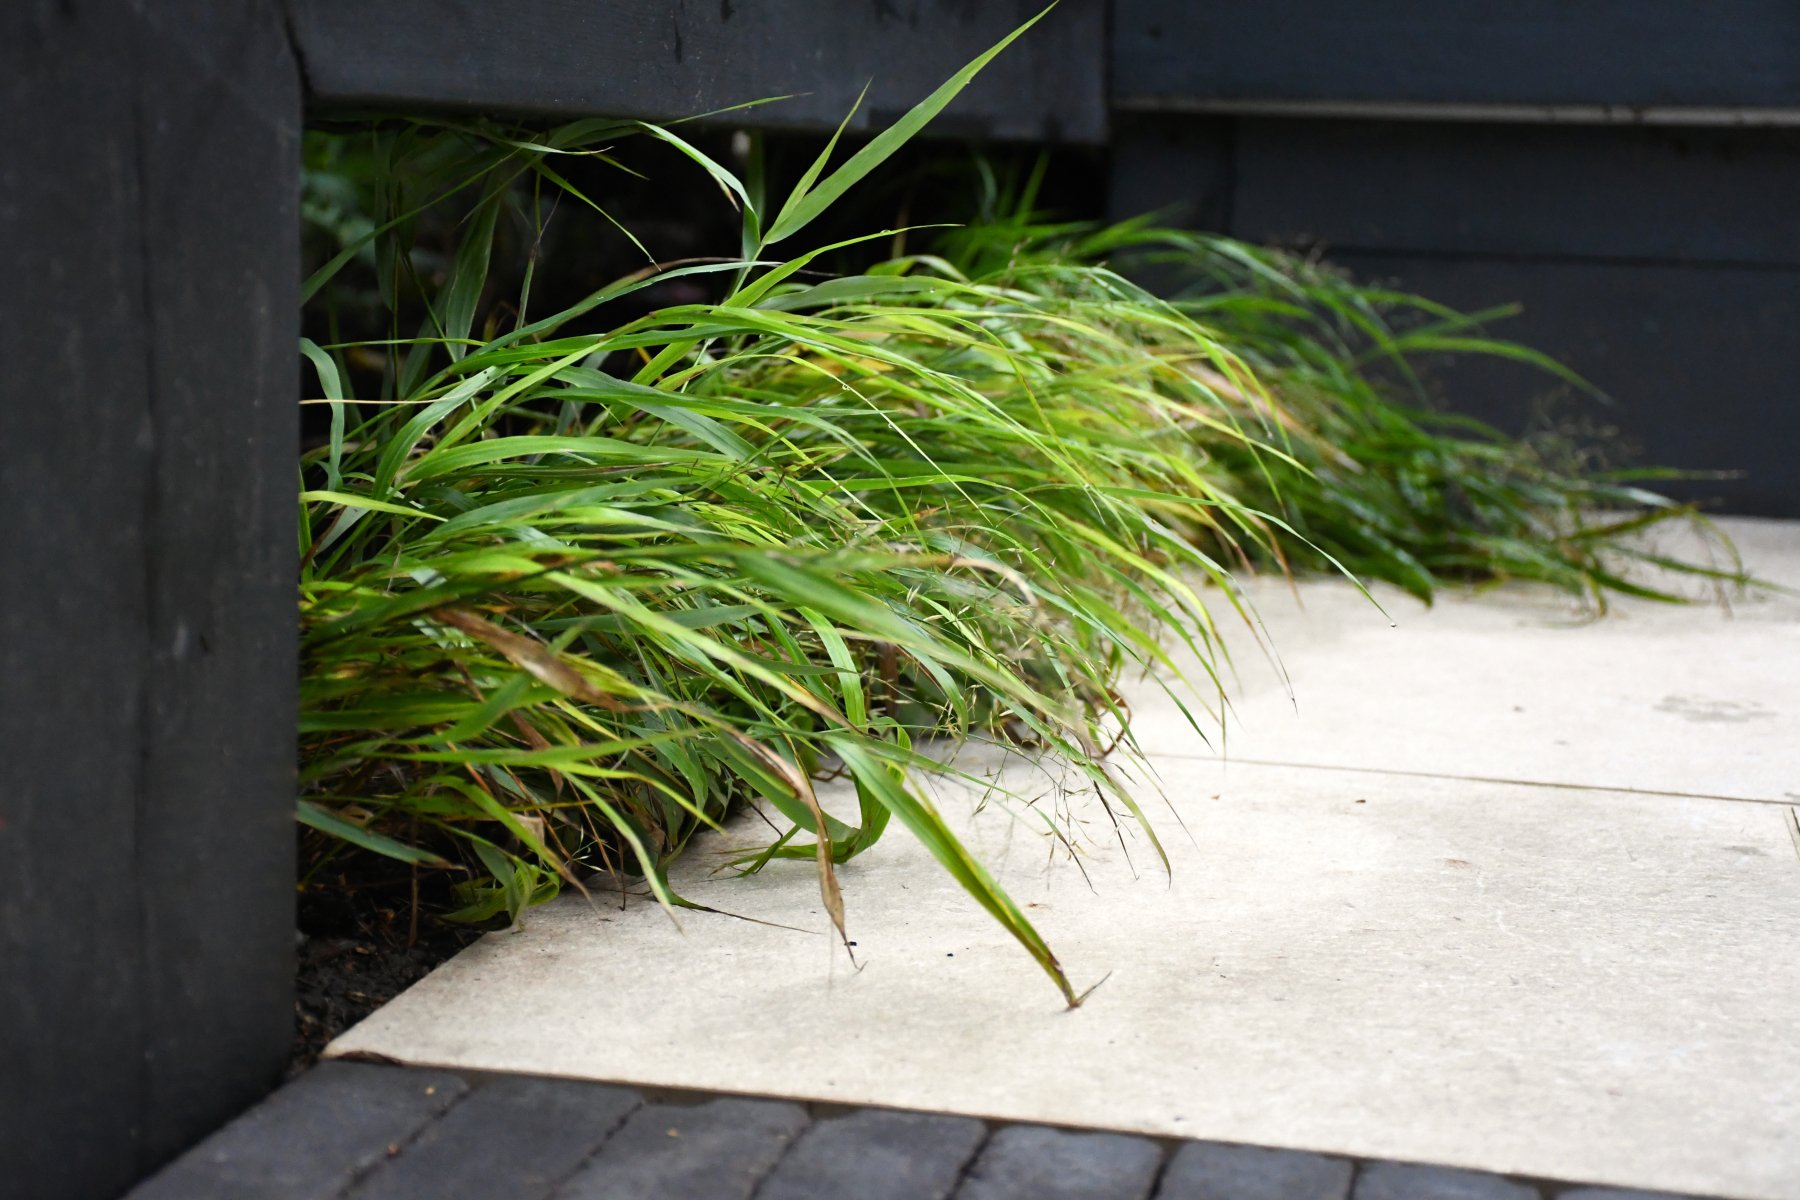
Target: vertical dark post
[
  {"x": 147, "y": 386},
  {"x": 72, "y": 618}
]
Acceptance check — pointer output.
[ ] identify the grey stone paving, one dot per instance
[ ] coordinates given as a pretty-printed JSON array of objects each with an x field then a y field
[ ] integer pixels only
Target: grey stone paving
[
  {"x": 718, "y": 1150},
  {"x": 314, "y": 1138},
  {"x": 875, "y": 1154},
  {"x": 1215, "y": 1171},
  {"x": 1410, "y": 1181},
  {"x": 362, "y": 1131},
  {"x": 512, "y": 1134},
  {"x": 1031, "y": 1162}
]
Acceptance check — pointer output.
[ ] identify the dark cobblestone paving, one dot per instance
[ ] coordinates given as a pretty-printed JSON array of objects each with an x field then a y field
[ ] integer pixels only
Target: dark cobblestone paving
[{"x": 361, "y": 1131}]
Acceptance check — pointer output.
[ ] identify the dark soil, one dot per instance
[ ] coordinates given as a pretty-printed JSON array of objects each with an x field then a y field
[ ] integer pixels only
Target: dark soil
[{"x": 362, "y": 941}]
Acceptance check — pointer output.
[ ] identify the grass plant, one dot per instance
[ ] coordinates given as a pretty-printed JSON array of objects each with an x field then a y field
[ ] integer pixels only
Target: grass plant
[
  {"x": 573, "y": 589},
  {"x": 1374, "y": 477}
]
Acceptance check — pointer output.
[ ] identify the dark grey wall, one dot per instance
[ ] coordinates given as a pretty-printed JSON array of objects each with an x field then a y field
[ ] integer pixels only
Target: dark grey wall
[
  {"x": 1662, "y": 263},
  {"x": 1630, "y": 53},
  {"x": 148, "y": 224},
  {"x": 659, "y": 59}
]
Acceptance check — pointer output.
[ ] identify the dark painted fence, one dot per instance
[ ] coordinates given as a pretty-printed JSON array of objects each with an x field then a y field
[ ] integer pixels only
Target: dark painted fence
[
  {"x": 1626, "y": 170},
  {"x": 148, "y": 230},
  {"x": 1535, "y": 53},
  {"x": 147, "y": 219},
  {"x": 661, "y": 60}
]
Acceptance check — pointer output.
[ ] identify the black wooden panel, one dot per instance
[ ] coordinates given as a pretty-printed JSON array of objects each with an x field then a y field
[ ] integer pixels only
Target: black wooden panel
[
  {"x": 74, "y": 475},
  {"x": 662, "y": 59},
  {"x": 1536, "y": 52},
  {"x": 147, "y": 217},
  {"x": 1700, "y": 361},
  {"x": 220, "y": 148},
  {"x": 1685, "y": 195},
  {"x": 1181, "y": 168},
  {"x": 1661, "y": 264}
]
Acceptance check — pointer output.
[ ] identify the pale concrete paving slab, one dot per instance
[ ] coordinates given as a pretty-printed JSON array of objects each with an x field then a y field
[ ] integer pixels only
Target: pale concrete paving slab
[
  {"x": 1769, "y": 548},
  {"x": 1546, "y": 982},
  {"x": 1512, "y": 684}
]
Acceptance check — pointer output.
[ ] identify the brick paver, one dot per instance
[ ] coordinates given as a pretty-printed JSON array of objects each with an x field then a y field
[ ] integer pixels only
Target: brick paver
[
  {"x": 313, "y": 1139},
  {"x": 511, "y": 1134},
  {"x": 719, "y": 1150},
  {"x": 1030, "y": 1162},
  {"x": 877, "y": 1154},
  {"x": 1218, "y": 1171},
  {"x": 362, "y": 1131}
]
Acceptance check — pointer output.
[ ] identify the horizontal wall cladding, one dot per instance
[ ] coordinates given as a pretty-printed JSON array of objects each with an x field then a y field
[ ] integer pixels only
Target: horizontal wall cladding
[
  {"x": 1534, "y": 52},
  {"x": 1663, "y": 265},
  {"x": 659, "y": 60},
  {"x": 1181, "y": 167},
  {"x": 1677, "y": 195},
  {"x": 1699, "y": 363}
]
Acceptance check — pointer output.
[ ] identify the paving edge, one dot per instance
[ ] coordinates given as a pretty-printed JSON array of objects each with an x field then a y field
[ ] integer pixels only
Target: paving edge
[{"x": 292, "y": 1147}]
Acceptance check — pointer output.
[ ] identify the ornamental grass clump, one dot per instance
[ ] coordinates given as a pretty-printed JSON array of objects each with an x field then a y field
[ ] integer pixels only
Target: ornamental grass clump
[
  {"x": 573, "y": 589},
  {"x": 568, "y": 597}
]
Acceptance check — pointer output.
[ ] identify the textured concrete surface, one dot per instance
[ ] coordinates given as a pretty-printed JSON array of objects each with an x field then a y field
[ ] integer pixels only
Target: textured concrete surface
[
  {"x": 1515, "y": 685},
  {"x": 1551, "y": 982},
  {"x": 1560, "y": 982}
]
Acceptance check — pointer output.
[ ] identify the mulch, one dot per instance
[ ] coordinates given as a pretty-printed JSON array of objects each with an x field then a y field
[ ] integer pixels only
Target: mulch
[{"x": 362, "y": 940}]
